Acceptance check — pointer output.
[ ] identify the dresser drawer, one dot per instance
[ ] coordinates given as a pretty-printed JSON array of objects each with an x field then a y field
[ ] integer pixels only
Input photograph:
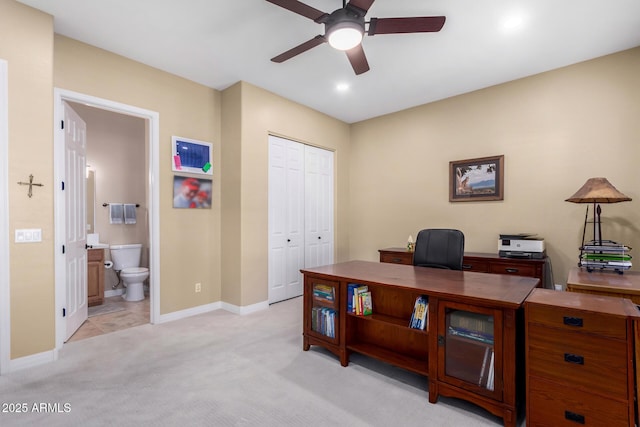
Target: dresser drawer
[
  {"x": 95, "y": 254},
  {"x": 397, "y": 257},
  {"x": 578, "y": 321},
  {"x": 552, "y": 404},
  {"x": 584, "y": 361},
  {"x": 521, "y": 269},
  {"x": 477, "y": 265}
]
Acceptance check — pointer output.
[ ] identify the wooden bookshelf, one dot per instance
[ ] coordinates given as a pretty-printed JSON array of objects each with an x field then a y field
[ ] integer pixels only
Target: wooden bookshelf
[{"x": 453, "y": 364}]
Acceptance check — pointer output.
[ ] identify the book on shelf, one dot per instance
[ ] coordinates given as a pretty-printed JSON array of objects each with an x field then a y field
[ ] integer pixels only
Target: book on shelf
[
  {"x": 323, "y": 292},
  {"x": 484, "y": 370},
  {"x": 420, "y": 314},
  {"x": 323, "y": 320},
  {"x": 357, "y": 301},
  {"x": 467, "y": 321},
  {"x": 366, "y": 303}
]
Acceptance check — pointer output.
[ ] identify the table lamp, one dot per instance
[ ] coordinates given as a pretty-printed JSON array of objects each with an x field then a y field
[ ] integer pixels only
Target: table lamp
[{"x": 596, "y": 191}]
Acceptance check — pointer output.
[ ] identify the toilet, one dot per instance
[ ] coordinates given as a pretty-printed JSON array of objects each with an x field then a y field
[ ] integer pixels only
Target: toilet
[{"x": 126, "y": 262}]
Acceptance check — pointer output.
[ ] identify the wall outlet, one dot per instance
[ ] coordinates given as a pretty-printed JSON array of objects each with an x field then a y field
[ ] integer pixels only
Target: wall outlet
[{"x": 198, "y": 287}]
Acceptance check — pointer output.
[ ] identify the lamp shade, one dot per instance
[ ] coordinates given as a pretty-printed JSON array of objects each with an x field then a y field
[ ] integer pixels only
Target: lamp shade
[
  {"x": 345, "y": 35},
  {"x": 598, "y": 190}
]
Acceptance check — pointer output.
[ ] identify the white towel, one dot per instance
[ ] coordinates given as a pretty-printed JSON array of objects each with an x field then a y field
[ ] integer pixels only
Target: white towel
[
  {"x": 116, "y": 215},
  {"x": 129, "y": 213}
]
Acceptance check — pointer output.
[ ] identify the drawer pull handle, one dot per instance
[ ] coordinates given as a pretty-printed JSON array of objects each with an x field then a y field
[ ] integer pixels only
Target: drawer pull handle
[
  {"x": 572, "y": 416},
  {"x": 467, "y": 266},
  {"x": 574, "y": 358},
  {"x": 396, "y": 260},
  {"x": 572, "y": 321},
  {"x": 511, "y": 270}
]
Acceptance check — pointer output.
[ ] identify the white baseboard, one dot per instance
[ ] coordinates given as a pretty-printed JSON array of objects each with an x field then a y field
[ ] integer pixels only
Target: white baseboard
[
  {"x": 182, "y": 314},
  {"x": 32, "y": 361},
  {"x": 246, "y": 309}
]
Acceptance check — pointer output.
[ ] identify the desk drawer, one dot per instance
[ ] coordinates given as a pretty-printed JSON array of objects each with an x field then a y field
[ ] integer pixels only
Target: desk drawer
[
  {"x": 584, "y": 361},
  {"x": 397, "y": 257},
  {"x": 551, "y": 404},
  {"x": 476, "y": 265},
  {"x": 513, "y": 268},
  {"x": 571, "y": 320}
]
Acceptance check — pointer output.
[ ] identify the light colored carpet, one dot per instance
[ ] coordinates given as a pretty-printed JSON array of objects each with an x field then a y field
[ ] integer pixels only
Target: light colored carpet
[{"x": 221, "y": 369}]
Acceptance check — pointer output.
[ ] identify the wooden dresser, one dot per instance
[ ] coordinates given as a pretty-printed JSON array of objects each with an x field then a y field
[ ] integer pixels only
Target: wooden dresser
[
  {"x": 579, "y": 359},
  {"x": 479, "y": 262},
  {"x": 626, "y": 285}
]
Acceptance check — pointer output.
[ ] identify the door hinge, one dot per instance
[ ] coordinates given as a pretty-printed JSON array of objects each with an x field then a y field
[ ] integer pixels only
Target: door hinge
[
  {"x": 62, "y": 248},
  {"x": 64, "y": 312}
]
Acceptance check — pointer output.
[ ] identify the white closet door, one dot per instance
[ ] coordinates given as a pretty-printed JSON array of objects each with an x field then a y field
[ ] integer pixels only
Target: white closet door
[
  {"x": 286, "y": 218},
  {"x": 318, "y": 178}
]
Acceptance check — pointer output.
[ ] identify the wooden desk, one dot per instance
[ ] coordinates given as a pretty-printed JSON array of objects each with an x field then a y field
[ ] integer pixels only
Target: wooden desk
[
  {"x": 479, "y": 262},
  {"x": 455, "y": 364},
  {"x": 626, "y": 285}
]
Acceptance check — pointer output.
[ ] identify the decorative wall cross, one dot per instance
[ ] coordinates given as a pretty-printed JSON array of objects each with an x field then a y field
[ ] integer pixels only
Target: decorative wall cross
[{"x": 30, "y": 184}]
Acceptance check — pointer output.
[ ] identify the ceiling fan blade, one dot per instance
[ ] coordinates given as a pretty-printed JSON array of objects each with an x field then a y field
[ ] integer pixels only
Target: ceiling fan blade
[
  {"x": 301, "y": 9},
  {"x": 422, "y": 24},
  {"x": 358, "y": 59},
  {"x": 363, "y": 5},
  {"x": 317, "y": 40}
]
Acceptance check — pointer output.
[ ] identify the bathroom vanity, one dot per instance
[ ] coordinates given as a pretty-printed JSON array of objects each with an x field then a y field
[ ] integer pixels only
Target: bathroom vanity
[{"x": 95, "y": 276}]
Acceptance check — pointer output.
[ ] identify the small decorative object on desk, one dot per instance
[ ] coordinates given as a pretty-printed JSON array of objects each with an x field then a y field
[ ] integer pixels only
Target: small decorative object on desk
[{"x": 410, "y": 244}]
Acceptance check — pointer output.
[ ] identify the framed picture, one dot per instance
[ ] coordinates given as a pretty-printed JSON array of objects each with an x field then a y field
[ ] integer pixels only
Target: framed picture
[
  {"x": 191, "y": 193},
  {"x": 191, "y": 156},
  {"x": 475, "y": 180}
]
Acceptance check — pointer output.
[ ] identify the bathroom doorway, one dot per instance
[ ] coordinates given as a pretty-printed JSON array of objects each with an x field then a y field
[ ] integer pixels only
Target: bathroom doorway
[{"x": 145, "y": 148}]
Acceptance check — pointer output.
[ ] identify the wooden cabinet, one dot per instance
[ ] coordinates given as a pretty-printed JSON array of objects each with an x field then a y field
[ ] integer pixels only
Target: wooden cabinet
[
  {"x": 95, "y": 276},
  {"x": 579, "y": 359},
  {"x": 322, "y": 314},
  {"x": 479, "y": 262},
  {"x": 454, "y": 363},
  {"x": 626, "y": 285}
]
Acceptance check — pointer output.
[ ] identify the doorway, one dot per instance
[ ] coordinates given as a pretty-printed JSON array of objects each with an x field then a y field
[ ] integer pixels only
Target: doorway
[{"x": 151, "y": 119}]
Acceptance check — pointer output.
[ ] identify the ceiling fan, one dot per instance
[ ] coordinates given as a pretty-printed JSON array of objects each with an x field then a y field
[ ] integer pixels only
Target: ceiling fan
[{"x": 345, "y": 28}]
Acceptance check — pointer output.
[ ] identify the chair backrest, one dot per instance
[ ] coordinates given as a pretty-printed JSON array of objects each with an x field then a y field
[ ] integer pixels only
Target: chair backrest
[{"x": 439, "y": 248}]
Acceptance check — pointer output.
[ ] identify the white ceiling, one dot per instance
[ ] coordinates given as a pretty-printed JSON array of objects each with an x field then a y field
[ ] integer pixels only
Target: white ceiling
[{"x": 220, "y": 42}]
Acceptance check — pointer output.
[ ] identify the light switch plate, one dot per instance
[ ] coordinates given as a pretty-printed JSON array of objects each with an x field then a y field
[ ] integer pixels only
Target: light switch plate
[{"x": 28, "y": 235}]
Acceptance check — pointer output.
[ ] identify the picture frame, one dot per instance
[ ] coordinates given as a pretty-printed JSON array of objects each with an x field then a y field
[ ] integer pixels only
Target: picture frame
[
  {"x": 191, "y": 193},
  {"x": 475, "y": 180},
  {"x": 191, "y": 156}
]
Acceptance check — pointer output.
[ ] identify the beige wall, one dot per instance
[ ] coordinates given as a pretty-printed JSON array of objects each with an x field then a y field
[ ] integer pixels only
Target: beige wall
[
  {"x": 555, "y": 130},
  {"x": 26, "y": 43},
  {"x": 245, "y": 150},
  {"x": 189, "y": 241}
]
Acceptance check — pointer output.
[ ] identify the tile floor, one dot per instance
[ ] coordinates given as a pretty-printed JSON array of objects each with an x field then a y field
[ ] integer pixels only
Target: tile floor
[{"x": 128, "y": 314}]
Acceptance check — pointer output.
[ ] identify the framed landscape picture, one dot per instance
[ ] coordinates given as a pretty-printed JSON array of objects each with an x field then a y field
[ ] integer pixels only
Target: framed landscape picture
[{"x": 475, "y": 180}]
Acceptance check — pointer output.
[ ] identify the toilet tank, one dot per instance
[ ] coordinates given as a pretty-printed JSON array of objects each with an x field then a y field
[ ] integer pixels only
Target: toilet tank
[{"x": 125, "y": 256}]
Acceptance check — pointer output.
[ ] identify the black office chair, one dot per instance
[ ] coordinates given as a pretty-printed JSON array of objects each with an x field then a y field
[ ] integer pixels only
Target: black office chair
[{"x": 439, "y": 248}]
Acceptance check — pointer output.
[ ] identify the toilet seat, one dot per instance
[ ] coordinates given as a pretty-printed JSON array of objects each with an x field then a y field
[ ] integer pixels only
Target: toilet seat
[{"x": 134, "y": 270}]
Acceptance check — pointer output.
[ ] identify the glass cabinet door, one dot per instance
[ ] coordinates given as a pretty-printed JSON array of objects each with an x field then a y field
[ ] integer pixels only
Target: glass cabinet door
[
  {"x": 323, "y": 309},
  {"x": 469, "y": 343}
]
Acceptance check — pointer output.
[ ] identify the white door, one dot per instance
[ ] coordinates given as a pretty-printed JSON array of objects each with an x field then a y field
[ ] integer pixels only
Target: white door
[
  {"x": 286, "y": 218},
  {"x": 75, "y": 142},
  {"x": 318, "y": 220}
]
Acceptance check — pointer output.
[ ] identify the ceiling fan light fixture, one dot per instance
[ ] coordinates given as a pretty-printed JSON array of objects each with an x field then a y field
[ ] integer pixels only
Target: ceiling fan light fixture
[{"x": 345, "y": 35}]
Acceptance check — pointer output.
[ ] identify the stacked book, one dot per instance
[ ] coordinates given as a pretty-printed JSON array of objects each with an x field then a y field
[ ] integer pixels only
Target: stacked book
[
  {"x": 323, "y": 320},
  {"x": 608, "y": 255},
  {"x": 474, "y": 326}
]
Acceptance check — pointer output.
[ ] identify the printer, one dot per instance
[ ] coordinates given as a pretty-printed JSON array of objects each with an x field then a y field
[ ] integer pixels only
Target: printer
[{"x": 523, "y": 245}]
